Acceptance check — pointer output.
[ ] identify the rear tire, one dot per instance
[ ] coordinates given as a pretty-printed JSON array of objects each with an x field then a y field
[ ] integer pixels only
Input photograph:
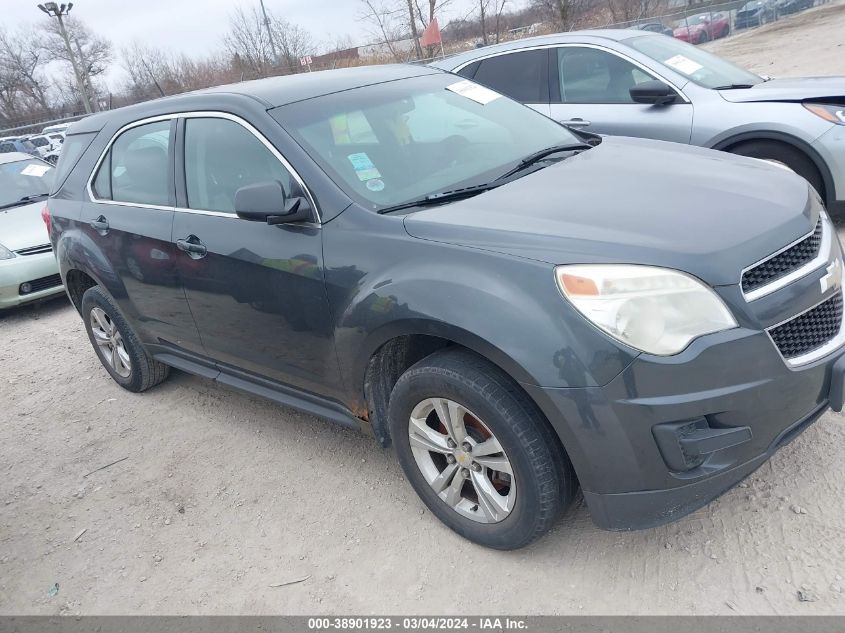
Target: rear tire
[
  {"x": 793, "y": 158},
  {"x": 490, "y": 407},
  {"x": 117, "y": 345}
]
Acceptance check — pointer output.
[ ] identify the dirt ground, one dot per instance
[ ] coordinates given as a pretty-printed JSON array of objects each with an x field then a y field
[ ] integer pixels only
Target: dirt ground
[
  {"x": 220, "y": 495},
  {"x": 808, "y": 44}
]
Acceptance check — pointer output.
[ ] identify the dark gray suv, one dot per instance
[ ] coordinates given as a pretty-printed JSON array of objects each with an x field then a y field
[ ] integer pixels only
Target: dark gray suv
[{"x": 517, "y": 308}]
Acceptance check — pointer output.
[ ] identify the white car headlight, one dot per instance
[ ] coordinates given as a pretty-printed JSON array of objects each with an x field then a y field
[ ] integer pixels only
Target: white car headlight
[
  {"x": 655, "y": 310},
  {"x": 5, "y": 253}
]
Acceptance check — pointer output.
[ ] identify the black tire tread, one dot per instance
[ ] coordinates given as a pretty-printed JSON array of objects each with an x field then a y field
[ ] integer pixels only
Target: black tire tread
[
  {"x": 558, "y": 482},
  {"x": 150, "y": 371}
]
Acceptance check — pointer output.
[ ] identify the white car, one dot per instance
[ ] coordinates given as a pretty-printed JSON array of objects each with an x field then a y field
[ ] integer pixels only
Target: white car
[
  {"x": 43, "y": 144},
  {"x": 28, "y": 268}
]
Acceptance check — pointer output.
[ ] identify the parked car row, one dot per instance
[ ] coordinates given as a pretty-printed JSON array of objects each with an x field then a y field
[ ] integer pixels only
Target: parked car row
[
  {"x": 519, "y": 305},
  {"x": 704, "y": 27},
  {"x": 47, "y": 144}
]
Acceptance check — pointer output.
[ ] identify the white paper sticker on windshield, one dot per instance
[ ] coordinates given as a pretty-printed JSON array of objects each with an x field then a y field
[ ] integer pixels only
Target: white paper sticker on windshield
[
  {"x": 473, "y": 91},
  {"x": 34, "y": 170},
  {"x": 683, "y": 64}
]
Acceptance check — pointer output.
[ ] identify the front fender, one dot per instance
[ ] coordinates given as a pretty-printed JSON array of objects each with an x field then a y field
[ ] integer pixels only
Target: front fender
[{"x": 505, "y": 308}]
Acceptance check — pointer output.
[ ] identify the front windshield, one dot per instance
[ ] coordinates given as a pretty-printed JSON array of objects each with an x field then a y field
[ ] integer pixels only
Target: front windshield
[
  {"x": 24, "y": 180},
  {"x": 702, "y": 67},
  {"x": 397, "y": 142},
  {"x": 39, "y": 141}
]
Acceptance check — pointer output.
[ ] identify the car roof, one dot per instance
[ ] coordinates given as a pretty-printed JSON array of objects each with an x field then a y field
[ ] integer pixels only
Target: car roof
[
  {"x": 14, "y": 157},
  {"x": 571, "y": 37},
  {"x": 270, "y": 92}
]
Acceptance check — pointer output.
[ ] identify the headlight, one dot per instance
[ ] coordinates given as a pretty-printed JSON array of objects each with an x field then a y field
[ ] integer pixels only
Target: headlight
[
  {"x": 656, "y": 310},
  {"x": 829, "y": 112},
  {"x": 5, "y": 253}
]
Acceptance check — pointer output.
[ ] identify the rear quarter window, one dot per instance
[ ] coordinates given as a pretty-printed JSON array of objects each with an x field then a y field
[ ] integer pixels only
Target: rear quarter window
[{"x": 72, "y": 149}]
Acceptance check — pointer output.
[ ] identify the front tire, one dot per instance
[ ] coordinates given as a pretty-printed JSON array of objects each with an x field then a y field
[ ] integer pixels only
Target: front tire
[
  {"x": 478, "y": 451},
  {"x": 116, "y": 344}
]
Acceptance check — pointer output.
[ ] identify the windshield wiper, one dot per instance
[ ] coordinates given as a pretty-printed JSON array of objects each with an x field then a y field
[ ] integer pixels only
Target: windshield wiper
[
  {"x": 734, "y": 86},
  {"x": 539, "y": 155},
  {"x": 39, "y": 196},
  {"x": 443, "y": 197}
]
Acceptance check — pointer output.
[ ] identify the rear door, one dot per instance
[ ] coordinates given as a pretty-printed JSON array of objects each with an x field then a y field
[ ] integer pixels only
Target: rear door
[
  {"x": 130, "y": 217},
  {"x": 521, "y": 75},
  {"x": 590, "y": 90},
  {"x": 256, "y": 291}
]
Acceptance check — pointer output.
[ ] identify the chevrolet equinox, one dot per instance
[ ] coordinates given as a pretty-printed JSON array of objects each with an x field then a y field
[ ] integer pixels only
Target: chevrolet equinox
[{"x": 518, "y": 308}]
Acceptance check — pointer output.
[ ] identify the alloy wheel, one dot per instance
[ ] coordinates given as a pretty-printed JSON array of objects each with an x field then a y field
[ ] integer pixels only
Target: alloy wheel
[
  {"x": 462, "y": 460},
  {"x": 110, "y": 343}
]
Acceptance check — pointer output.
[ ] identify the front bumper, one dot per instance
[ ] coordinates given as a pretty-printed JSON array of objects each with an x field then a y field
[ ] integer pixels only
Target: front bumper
[
  {"x": 26, "y": 269},
  {"x": 733, "y": 379},
  {"x": 831, "y": 147}
]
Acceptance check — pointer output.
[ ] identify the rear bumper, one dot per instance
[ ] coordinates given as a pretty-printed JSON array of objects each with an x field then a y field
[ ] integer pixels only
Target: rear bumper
[
  {"x": 25, "y": 269},
  {"x": 731, "y": 380}
]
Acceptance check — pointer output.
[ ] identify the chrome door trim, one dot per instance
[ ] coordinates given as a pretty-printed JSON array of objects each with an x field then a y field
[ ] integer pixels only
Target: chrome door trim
[
  {"x": 207, "y": 114},
  {"x": 600, "y": 47}
]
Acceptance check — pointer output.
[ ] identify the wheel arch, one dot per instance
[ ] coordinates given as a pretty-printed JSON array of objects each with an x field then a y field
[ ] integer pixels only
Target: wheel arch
[
  {"x": 394, "y": 348},
  {"x": 727, "y": 143}
]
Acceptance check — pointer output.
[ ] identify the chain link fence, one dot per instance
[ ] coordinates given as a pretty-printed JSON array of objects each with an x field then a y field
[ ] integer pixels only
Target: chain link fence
[
  {"x": 697, "y": 23},
  {"x": 704, "y": 22}
]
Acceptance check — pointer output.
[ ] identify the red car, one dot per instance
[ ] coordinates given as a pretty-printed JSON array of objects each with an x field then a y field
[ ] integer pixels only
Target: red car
[{"x": 697, "y": 29}]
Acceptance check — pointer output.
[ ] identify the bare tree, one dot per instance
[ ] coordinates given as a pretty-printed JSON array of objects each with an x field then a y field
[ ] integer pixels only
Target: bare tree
[
  {"x": 94, "y": 53},
  {"x": 248, "y": 42},
  {"x": 633, "y": 10},
  {"x": 564, "y": 14},
  {"x": 484, "y": 9},
  {"x": 293, "y": 41},
  {"x": 23, "y": 57},
  {"x": 384, "y": 22},
  {"x": 254, "y": 43}
]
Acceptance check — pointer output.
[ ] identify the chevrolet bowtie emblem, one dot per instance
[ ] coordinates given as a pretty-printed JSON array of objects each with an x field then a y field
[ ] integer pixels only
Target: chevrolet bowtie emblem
[{"x": 833, "y": 276}]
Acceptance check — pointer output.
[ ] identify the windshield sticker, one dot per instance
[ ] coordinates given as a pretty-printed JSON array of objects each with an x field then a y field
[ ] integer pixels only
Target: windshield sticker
[
  {"x": 34, "y": 170},
  {"x": 473, "y": 91},
  {"x": 683, "y": 64},
  {"x": 375, "y": 185},
  {"x": 364, "y": 167}
]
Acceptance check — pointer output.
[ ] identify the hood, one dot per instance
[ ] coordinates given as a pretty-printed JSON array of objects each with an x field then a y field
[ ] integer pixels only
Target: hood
[
  {"x": 789, "y": 89},
  {"x": 635, "y": 201},
  {"x": 22, "y": 227}
]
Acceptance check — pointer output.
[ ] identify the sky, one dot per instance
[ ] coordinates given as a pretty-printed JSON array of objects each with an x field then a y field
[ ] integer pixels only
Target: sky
[{"x": 197, "y": 27}]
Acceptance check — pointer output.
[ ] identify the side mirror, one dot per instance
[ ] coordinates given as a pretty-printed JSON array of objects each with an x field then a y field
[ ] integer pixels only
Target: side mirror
[
  {"x": 653, "y": 92},
  {"x": 267, "y": 202}
]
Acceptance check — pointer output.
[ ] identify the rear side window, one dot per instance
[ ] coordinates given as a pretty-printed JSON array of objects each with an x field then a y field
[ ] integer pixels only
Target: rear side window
[
  {"x": 522, "y": 76},
  {"x": 6, "y": 148},
  {"x": 74, "y": 146},
  {"x": 136, "y": 169},
  {"x": 213, "y": 175}
]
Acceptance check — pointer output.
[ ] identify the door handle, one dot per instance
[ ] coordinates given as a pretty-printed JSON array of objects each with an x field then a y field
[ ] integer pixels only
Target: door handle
[
  {"x": 193, "y": 246},
  {"x": 100, "y": 224},
  {"x": 576, "y": 122}
]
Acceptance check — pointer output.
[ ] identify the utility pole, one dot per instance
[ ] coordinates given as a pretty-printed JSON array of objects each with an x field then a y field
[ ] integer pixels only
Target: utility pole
[
  {"x": 270, "y": 34},
  {"x": 86, "y": 77},
  {"x": 57, "y": 11}
]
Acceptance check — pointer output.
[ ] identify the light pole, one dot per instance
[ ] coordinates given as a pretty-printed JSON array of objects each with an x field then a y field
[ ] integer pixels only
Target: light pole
[
  {"x": 57, "y": 11},
  {"x": 270, "y": 34}
]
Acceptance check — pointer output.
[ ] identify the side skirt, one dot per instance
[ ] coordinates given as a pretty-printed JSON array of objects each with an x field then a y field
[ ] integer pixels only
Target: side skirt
[{"x": 282, "y": 394}]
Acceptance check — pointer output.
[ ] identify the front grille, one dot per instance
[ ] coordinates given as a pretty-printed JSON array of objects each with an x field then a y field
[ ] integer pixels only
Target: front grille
[
  {"x": 810, "y": 330},
  {"x": 37, "y": 285},
  {"x": 36, "y": 250},
  {"x": 785, "y": 262}
]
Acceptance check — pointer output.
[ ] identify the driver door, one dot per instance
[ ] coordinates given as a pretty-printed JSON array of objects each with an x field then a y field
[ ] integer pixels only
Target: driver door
[
  {"x": 256, "y": 291},
  {"x": 590, "y": 90}
]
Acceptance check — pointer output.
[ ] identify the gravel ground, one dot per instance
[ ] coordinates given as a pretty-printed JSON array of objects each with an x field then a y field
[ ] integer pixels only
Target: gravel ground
[{"x": 220, "y": 495}]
